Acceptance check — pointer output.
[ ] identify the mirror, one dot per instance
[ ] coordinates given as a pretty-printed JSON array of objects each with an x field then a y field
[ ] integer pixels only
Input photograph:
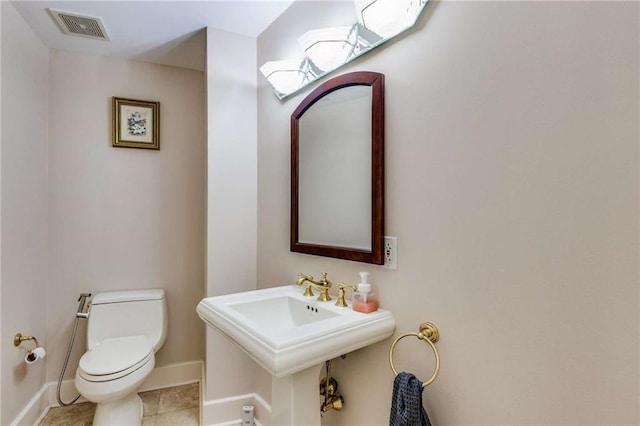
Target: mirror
[{"x": 337, "y": 169}]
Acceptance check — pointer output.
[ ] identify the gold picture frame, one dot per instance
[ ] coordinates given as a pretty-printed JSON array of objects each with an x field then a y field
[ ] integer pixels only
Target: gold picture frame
[{"x": 136, "y": 124}]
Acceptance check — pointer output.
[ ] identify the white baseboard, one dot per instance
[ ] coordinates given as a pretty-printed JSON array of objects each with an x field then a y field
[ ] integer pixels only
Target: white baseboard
[
  {"x": 173, "y": 375},
  {"x": 35, "y": 410},
  {"x": 160, "y": 377},
  {"x": 227, "y": 411}
]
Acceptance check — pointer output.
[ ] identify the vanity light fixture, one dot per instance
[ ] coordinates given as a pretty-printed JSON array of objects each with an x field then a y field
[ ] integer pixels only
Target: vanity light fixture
[
  {"x": 289, "y": 75},
  {"x": 328, "y": 49},
  {"x": 388, "y": 17}
]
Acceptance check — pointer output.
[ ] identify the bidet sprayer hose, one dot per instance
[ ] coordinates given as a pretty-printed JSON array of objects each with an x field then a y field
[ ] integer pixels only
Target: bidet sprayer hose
[{"x": 80, "y": 314}]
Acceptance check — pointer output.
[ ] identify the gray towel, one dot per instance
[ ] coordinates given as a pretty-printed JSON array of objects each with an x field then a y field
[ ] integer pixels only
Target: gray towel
[{"x": 406, "y": 404}]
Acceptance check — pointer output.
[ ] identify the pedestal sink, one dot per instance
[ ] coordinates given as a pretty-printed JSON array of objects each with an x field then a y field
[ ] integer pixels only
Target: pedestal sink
[{"x": 291, "y": 335}]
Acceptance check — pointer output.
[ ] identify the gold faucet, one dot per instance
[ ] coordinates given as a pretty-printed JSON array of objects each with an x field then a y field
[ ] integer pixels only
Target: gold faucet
[
  {"x": 341, "y": 292},
  {"x": 323, "y": 285},
  {"x": 303, "y": 279}
]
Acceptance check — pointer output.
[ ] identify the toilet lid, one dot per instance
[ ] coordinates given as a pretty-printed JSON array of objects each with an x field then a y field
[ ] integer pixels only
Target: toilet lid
[{"x": 115, "y": 355}]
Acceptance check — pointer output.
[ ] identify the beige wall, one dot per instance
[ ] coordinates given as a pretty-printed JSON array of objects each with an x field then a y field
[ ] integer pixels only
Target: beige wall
[
  {"x": 25, "y": 63},
  {"x": 512, "y": 186},
  {"x": 1, "y": 374},
  {"x": 231, "y": 198},
  {"x": 124, "y": 218},
  {"x": 78, "y": 215}
]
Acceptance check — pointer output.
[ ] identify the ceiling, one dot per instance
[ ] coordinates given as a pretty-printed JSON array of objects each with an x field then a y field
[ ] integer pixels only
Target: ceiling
[{"x": 163, "y": 32}]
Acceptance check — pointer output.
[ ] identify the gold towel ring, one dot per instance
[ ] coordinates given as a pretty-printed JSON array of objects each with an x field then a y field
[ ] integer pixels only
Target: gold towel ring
[{"x": 430, "y": 334}]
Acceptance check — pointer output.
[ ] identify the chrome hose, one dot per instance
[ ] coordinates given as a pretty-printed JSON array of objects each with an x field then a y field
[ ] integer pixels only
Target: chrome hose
[{"x": 80, "y": 314}]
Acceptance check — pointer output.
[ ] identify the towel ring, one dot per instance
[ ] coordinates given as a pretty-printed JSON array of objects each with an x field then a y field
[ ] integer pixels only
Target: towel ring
[{"x": 430, "y": 334}]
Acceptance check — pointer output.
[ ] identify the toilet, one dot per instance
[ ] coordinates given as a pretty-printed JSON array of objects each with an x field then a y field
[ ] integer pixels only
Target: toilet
[{"x": 125, "y": 329}]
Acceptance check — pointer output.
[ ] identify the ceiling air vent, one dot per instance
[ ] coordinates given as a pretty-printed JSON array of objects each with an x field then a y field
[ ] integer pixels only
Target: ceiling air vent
[{"x": 79, "y": 25}]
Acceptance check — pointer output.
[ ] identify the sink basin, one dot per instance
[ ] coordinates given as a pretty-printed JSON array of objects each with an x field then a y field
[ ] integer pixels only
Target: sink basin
[
  {"x": 283, "y": 312},
  {"x": 286, "y": 332}
]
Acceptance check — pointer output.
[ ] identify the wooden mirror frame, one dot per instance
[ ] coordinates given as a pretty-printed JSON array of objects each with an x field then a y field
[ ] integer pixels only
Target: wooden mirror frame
[{"x": 376, "y": 254}]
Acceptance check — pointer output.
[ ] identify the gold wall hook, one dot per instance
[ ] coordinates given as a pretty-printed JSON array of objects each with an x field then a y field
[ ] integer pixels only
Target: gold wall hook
[{"x": 19, "y": 338}]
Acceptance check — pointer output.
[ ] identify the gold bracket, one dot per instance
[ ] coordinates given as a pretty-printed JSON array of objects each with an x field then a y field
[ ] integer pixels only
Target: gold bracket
[
  {"x": 19, "y": 338},
  {"x": 429, "y": 331}
]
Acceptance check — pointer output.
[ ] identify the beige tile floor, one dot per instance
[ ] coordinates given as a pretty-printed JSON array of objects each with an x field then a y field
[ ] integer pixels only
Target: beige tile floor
[{"x": 179, "y": 405}]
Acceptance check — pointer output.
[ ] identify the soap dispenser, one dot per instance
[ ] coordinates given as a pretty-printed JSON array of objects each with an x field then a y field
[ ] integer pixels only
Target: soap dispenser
[{"x": 364, "y": 300}]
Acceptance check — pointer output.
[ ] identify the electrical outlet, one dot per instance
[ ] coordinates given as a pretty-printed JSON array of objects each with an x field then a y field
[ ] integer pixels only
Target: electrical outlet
[
  {"x": 247, "y": 416},
  {"x": 391, "y": 252}
]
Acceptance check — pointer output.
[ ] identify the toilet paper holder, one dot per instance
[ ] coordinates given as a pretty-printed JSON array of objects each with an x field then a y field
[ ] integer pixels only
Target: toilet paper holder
[
  {"x": 19, "y": 338},
  {"x": 33, "y": 355}
]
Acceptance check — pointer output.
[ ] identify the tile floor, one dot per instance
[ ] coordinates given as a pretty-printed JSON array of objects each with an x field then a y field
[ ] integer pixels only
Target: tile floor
[{"x": 178, "y": 405}]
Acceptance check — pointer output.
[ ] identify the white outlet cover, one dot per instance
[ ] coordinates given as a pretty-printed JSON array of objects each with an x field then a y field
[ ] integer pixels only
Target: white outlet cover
[{"x": 391, "y": 252}]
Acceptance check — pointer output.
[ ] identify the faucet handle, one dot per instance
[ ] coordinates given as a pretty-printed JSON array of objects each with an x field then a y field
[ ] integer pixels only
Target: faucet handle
[
  {"x": 308, "y": 279},
  {"x": 302, "y": 278},
  {"x": 341, "y": 292}
]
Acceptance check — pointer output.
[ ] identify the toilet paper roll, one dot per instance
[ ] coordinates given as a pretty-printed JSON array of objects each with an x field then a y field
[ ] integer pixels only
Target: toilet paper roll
[{"x": 35, "y": 355}]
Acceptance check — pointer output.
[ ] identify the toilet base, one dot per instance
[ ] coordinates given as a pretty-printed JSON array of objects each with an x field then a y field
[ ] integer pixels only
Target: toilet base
[{"x": 123, "y": 412}]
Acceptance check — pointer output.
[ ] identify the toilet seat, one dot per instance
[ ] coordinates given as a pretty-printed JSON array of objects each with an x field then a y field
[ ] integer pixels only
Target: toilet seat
[{"x": 115, "y": 358}]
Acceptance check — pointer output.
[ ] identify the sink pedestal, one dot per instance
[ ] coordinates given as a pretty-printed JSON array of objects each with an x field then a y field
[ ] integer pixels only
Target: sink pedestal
[
  {"x": 295, "y": 399},
  {"x": 291, "y": 336}
]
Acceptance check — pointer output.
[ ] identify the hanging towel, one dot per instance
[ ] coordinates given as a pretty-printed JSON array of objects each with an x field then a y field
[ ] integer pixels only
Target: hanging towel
[{"x": 406, "y": 405}]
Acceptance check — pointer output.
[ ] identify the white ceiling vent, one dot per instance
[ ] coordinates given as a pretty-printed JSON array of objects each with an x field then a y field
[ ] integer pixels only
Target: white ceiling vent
[{"x": 79, "y": 25}]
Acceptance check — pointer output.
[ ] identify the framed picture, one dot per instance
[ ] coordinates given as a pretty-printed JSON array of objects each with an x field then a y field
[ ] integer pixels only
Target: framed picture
[{"x": 136, "y": 124}]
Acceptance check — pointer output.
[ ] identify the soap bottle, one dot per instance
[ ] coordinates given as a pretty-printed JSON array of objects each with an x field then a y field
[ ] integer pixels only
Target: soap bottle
[{"x": 364, "y": 300}]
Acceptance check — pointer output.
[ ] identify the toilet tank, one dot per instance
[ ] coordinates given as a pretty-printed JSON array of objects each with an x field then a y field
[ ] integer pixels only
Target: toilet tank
[{"x": 128, "y": 313}]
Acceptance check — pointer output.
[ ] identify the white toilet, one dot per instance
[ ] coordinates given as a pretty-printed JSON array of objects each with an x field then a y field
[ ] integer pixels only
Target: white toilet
[{"x": 125, "y": 330}]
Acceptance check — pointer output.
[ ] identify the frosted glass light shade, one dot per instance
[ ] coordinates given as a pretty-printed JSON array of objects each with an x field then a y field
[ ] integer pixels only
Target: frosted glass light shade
[
  {"x": 388, "y": 17},
  {"x": 329, "y": 48},
  {"x": 287, "y": 76}
]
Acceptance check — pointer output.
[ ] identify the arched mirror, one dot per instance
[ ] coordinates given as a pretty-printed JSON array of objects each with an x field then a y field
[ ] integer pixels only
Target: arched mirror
[{"x": 337, "y": 169}]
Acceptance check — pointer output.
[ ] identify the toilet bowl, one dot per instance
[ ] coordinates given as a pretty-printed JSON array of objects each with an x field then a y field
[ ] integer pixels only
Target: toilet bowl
[{"x": 125, "y": 330}]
